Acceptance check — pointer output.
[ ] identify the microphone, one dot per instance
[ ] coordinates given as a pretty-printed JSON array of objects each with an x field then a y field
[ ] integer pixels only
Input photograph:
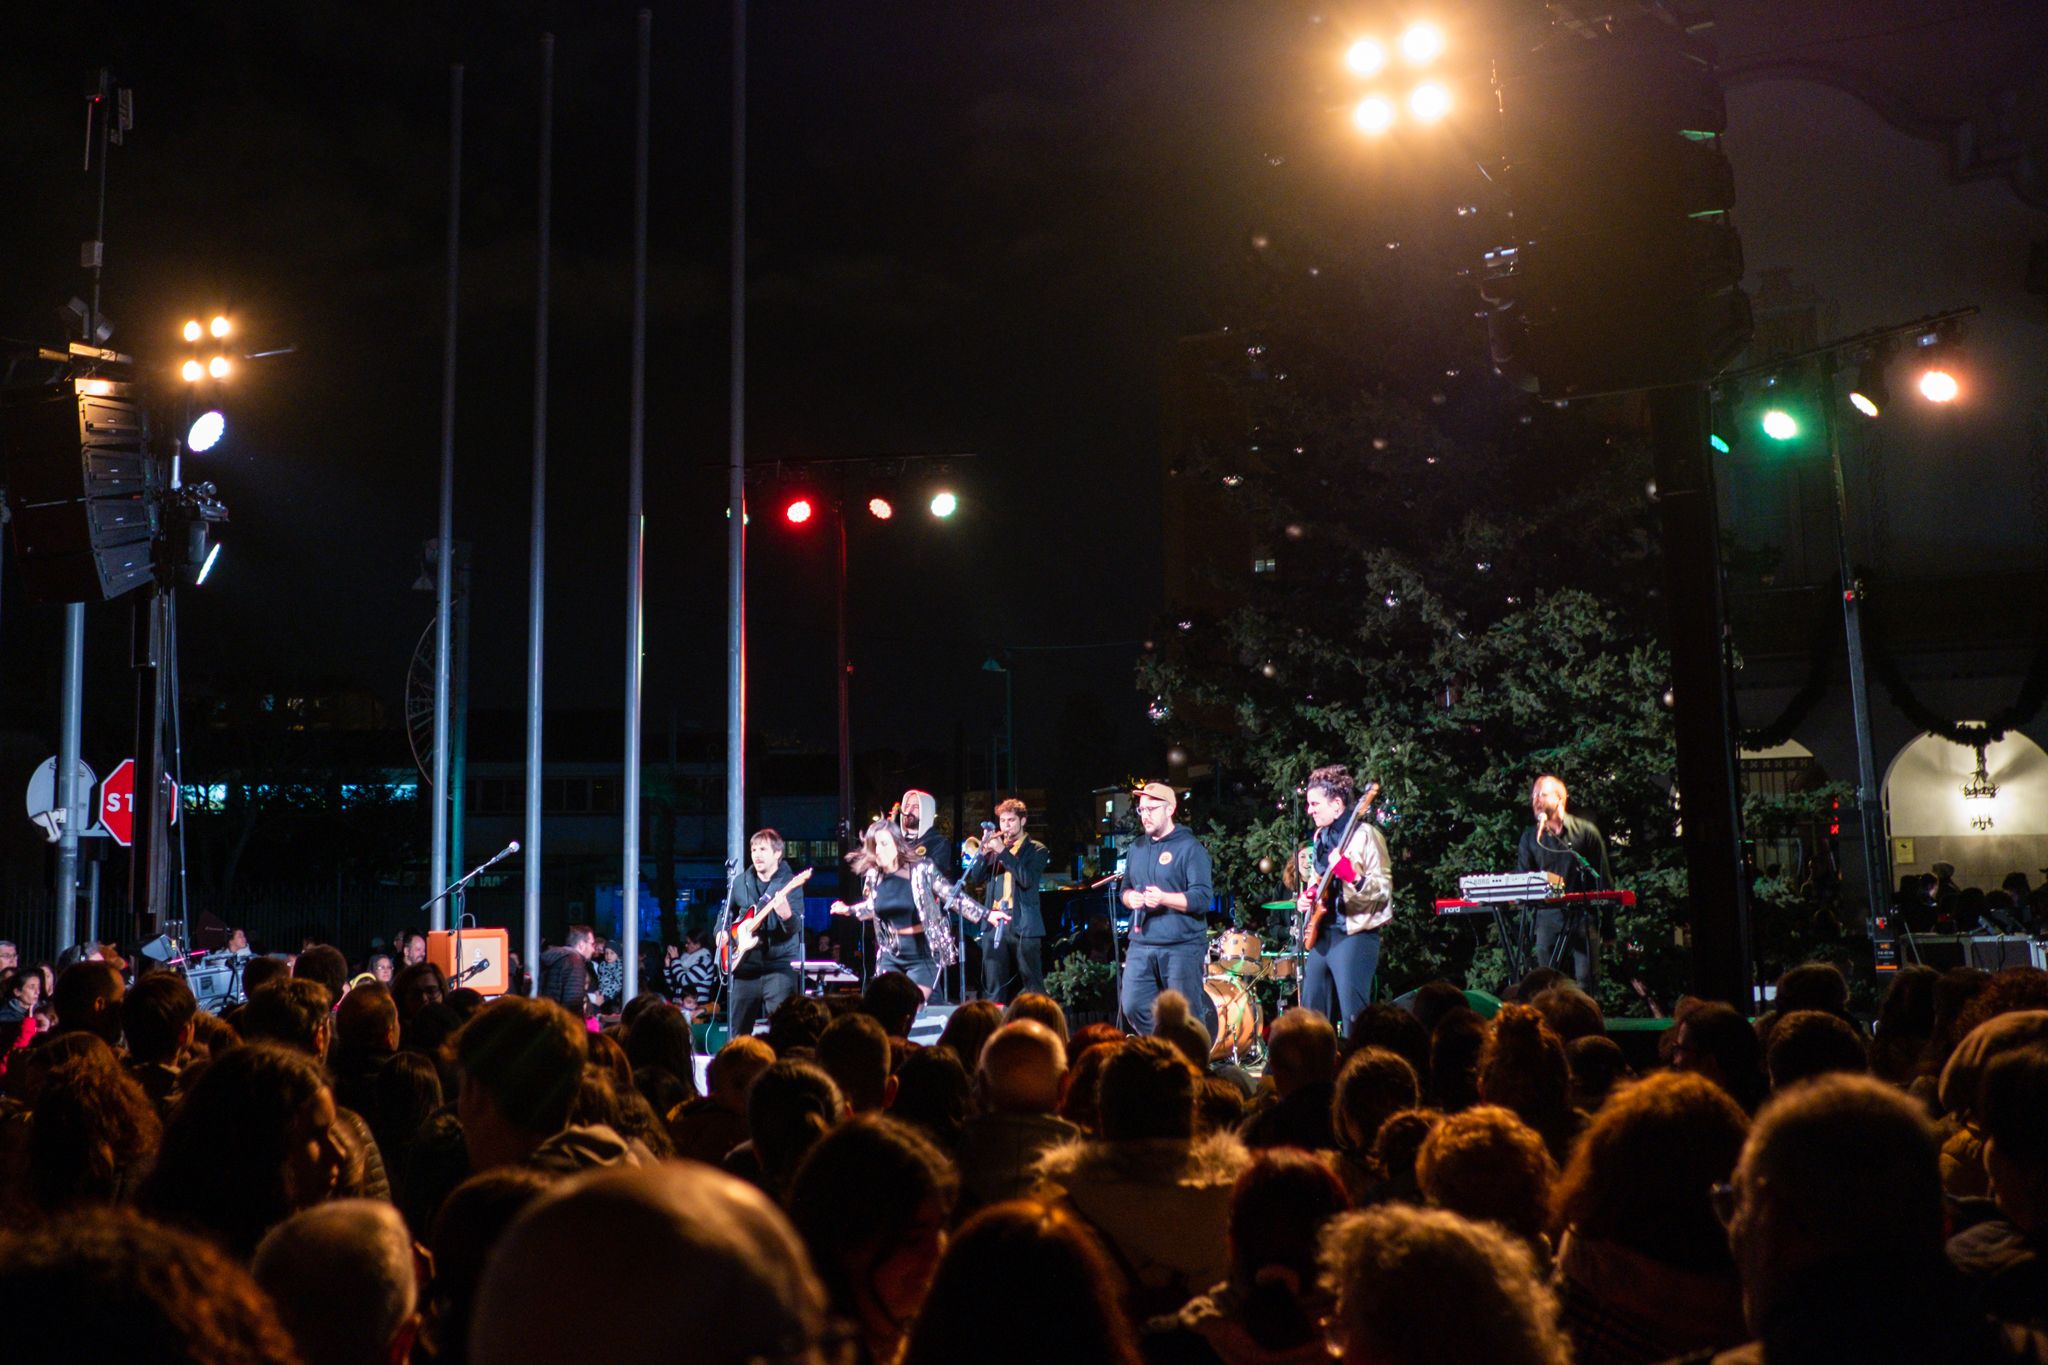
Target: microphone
[
  {"x": 1591, "y": 870},
  {"x": 502, "y": 854}
]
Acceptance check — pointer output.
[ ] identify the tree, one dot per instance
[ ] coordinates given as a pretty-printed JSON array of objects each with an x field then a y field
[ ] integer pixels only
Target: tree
[{"x": 1459, "y": 593}]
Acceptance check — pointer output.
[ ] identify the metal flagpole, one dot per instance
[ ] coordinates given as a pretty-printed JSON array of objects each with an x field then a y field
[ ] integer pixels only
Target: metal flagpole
[
  {"x": 444, "y": 557},
  {"x": 529, "y": 943},
  {"x": 636, "y": 526},
  {"x": 736, "y": 480}
]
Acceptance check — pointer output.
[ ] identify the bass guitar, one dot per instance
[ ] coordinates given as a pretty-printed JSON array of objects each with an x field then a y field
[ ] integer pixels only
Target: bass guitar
[
  {"x": 1320, "y": 908},
  {"x": 746, "y": 934}
]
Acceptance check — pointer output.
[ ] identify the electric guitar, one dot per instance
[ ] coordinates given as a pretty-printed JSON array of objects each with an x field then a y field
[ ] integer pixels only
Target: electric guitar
[
  {"x": 746, "y": 933},
  {"x": 1320, "y": 908}
]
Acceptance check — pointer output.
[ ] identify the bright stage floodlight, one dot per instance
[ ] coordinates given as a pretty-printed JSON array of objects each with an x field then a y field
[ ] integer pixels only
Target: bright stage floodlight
[
  {"x": 207, "y": 568},
  {"x": 880, "y": 509},
  {"x": 1779, "y": 425},
  {"x": 193, "y": 331},
  {"x": 1373, "y": 115},
  {"x": 207, "y": 429},
  {"x": 1365, "y": 57},
  {"x": 1429, "y": 102},
  {"x": 1870, "y": 395},
  {"x": 1937, "y": 385},
  {"x": 945, "y": 505},
  {"x": 218, "y": 367},
  {"x": 1422, "y": 44},
  {"x": 798, "y": 512},
  {"x": 192, "y": 372},
  {"x": 219, "y": 326}
]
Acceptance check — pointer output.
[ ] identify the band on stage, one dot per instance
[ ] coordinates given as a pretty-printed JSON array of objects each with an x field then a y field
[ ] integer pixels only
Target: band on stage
[{"x": 1341, "y": 876}]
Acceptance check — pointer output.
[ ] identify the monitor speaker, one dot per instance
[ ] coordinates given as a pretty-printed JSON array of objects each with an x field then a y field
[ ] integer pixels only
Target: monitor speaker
[
  {"x": 75, "y": 460},
  {"x": 485, "y": 964}
]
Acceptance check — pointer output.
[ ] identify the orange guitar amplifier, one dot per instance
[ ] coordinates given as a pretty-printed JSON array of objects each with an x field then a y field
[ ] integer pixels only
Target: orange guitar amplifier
[{"x": 486, "y": 959}]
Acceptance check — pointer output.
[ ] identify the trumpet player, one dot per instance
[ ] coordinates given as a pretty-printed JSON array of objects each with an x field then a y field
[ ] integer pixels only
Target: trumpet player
[{"x": 1011, "y": 862}]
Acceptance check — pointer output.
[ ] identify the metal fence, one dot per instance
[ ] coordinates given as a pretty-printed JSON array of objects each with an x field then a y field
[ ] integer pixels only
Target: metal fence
[{"x": 277, "y": 919}]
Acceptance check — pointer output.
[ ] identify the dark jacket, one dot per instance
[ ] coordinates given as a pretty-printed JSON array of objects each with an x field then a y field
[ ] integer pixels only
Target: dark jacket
[
  {"x": 1017, "y": 875},
  {"x": 1176, "y": 863},
  {"x": 1301, "y": 1120},
  {"x": 782, "y": 940},
  {"x": 936, "y": 899},
  {"x": 2005, "y": 1270},
  {"x": 565, "y": 979},
  {"x": 1581, "y": 840}
]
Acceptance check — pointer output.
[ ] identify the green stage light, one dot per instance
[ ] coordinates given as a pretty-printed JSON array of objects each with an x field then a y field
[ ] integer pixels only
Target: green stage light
[
  {"x": 1717, "y": 443},
  {"x": 1779, "y": 425}
]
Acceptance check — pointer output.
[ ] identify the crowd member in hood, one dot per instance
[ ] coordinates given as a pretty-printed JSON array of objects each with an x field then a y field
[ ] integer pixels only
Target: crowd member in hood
[
  {"x": 566, "y": 976},
  {"x": 1159, "y": 1198}
]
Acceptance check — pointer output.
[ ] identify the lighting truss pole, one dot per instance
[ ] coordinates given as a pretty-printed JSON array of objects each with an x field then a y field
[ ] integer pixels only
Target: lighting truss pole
[
  {"x": 736, "y": 475},
  {"x": 529, "y": 939},
  {"x": 444, "y": 561},
  {"x": 636, "y": 518}
]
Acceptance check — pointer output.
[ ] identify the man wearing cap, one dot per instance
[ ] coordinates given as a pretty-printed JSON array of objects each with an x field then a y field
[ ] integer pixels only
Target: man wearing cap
[{"x": 1166, "y": 889}]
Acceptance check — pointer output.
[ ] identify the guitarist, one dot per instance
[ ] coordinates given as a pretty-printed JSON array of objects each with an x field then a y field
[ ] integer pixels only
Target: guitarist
[
  {"x": 1344, "y": 948},
  {"x": 767, "y": 976}
]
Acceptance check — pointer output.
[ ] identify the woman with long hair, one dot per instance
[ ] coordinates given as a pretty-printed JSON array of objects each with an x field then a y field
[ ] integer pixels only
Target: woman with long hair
[
  {"x": 1022, "y": 1244},
  {"x": 909, "y": 903}
]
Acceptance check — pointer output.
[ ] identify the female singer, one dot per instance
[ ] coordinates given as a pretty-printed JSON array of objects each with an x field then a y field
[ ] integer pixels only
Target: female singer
[{"x": 909, "y": 901}]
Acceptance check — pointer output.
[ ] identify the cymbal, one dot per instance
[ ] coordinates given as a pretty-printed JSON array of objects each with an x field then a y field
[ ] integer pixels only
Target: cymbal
[{"x": 1277, "y": 905}]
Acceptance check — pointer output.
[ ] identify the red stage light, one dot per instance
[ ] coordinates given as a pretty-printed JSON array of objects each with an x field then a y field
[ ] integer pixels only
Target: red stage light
[
  {"x": 798, "y": 512},
  {"x": 881, "y": 509}
]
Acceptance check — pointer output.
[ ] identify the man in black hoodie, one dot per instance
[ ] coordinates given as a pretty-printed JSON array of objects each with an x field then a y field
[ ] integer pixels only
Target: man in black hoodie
[
  {"x": 766, "y": 975},
  {"x": 1167, "y": 892},
  {"x": 565, "y": 973}
]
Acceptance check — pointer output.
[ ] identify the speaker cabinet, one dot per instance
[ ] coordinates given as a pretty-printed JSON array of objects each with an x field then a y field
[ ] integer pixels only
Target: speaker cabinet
[
  {"x": 486, "y": 959},
  {"x": 75, "y": 460}
]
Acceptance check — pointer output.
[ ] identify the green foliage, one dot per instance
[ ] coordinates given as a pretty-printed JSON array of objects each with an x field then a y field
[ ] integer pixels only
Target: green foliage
[{"x": 1082, "y": 986}]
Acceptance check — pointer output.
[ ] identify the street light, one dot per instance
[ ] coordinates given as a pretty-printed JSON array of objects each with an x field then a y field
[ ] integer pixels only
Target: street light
[
  {"x": 1422, "y": 44},
  {"x": 193, "y": 331},
  {"x": 1374, "y": 115},
  {"x": 1365, "y": 57},
  {"x": 192, "y": 372},
  {"x": 1429, "y": 102},
  {"x": 218, "y": 367}
]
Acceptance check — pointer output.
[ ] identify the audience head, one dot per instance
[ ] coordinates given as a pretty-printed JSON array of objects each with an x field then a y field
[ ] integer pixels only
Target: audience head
[
  {"x": 794, "y": 1028},
  {"x": 1173, "y": 1022},
  {"x": 1301, "y": 1050},
  {"x": 1454, "y": 1051},
  {"x": 894, "y": 1000},
  {"x": 1523, "y": 1068},
  {"x": 968, "y": 1028},
  {"x": 2012, "y": 1114},
  {"x": 1373, "y": 1085},
  {"x": 1398, "y": 1148},
  {"x": 854, "y": 1052},
  {"x": 88, "y": 1000},
  {"x": 1393, "y": 1028},
  {"x": 1081, "y": 1092},
  {"x": 467, "y": 1229},
  {"x": 1641, "y": 1173},
  {"x": 157, "y": 1016},
  {"x": 418, "y": 985},
  {"x": 1598, "y": 1064},
  {"x": 520, "y": 1062},
  {"x": 1027, "y": 1244},
  {"x": 252, "y": 1142},
  {"x": 1415, "y": 1286},
  {"x": 342, "y": 1278},
  {"x": 1570, "y": 1012},
  {"x": 703, "y": 1267},
  {"x": 259, "y": 972},
  {"x": 1437, "y": 1000},
  {"x": 1037, "y": 1005},
  {"x": 296, "y": 1013},
  {"x": 1813, "y": 986},
  {"x": 872, "y": 1200},
  {"x": 1718, "y": 1043},
  {"x": 789, "y": 1107},
  {"x": 660, "y": 1037},
  {"x": 325, "y": 965},
  {"x": 1536, "y": 981},
  {"x": 93, "y": 1132},
  {"x": 733, "y": 1070},
  {"x": 1488, "y": 1165},
  {"x": 366, "y": 1022},
  {"x": 1905, "y": 1023},
  {"x": 108, "y": 1285},
  {"x": 1809, "y": 1043},
  {"x": 1843, "y": 1168},
  {"x": 1147, "y": 1090},
  {"x": 1022, "y": 1066},
  {"x": 1278, "y": 1210},
  {"x": 934, "y": 1092}
]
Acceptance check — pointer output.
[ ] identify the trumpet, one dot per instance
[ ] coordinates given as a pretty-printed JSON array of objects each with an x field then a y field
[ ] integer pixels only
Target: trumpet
[{"x": 970, "y": 847}]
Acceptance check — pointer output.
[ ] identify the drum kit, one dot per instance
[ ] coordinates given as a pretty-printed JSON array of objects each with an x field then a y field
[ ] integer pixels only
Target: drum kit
[{"x": 1237, "y": 958}]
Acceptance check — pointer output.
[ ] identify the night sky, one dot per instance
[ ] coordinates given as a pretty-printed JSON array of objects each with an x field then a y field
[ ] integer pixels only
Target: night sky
[{"x": 973, "y": 228}]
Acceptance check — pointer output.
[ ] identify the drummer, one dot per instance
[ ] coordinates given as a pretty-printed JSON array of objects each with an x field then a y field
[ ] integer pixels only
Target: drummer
[{"x": 1338, "y": 973}]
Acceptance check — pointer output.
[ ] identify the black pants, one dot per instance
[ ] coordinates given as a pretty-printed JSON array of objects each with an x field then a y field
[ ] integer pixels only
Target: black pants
[
  {"x": 757, "y": 998},
  {"x": 1009, "y": 971},
  {"x": 1569, "y": 940}
]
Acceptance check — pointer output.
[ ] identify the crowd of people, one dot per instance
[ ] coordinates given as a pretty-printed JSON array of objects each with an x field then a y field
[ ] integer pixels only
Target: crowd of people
[{"x": 347, "y": 1170}]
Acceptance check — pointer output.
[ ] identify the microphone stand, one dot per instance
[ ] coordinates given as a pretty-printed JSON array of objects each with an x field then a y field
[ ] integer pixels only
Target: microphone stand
[
  {"x": 732, "y": 879},
  {"x": 456, "y": 890}
]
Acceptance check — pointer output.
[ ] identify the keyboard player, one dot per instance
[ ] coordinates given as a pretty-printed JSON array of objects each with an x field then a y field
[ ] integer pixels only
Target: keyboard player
[{"x": 1570, "y": 853}]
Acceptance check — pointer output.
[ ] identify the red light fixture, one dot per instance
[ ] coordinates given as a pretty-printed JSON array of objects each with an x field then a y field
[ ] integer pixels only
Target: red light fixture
[
  {"x": 798, "y": 512},
  {"x": 880, "y": 509}
]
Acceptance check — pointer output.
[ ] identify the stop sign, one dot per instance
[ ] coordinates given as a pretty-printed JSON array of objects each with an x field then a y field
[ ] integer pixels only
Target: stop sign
[{"x": 117, "y": 802}]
